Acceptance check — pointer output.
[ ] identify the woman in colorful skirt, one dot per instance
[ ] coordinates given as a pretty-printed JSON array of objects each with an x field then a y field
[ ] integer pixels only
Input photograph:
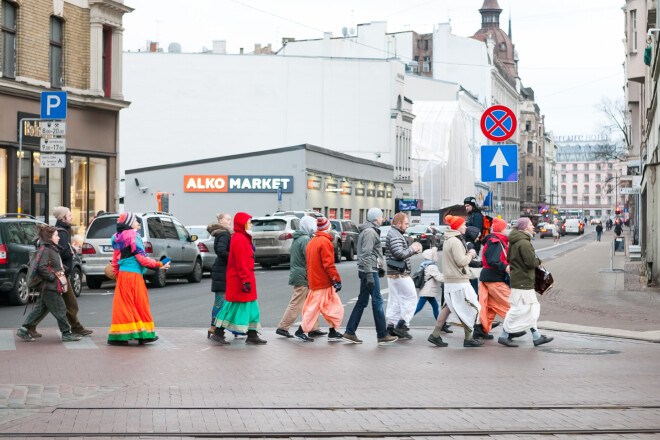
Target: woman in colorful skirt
[
  {"x": 240, "y": 312},
  {"x": 131, "y": 317}
]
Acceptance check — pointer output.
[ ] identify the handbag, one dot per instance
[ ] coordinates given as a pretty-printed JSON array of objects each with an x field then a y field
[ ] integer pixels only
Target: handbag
[
  {"x": 110, "y": 272},
  {"x": 397, "y": 264},
  {"x": 543, "y": 280}
]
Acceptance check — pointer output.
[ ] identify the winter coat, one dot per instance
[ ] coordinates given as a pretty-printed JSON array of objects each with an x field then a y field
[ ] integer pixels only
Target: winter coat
[
  {"x": 599, "y": 228},
  {"x": 240, "y": 264},
  {"x": 321, "y": 270},
  {"x": 50, "y": 263},
  {"x": 222, "y": 235},
  {"x": 66, "y": 252},
  {"x": 298, "y": 263},
  {"x": 434, "y": 279},
  {"x": 493, "y": 258},
  {"x": 396, "y": 248},
  {"x": 522, "y": 259},
  {"x": 455, "y": 260},
  {"x": 370, "y": 249}
]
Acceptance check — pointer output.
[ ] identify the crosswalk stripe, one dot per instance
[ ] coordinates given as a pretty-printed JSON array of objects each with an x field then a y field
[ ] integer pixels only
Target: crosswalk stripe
[
  {"x": 84, "y": 343},
  {"x": 7, "y": 341}
]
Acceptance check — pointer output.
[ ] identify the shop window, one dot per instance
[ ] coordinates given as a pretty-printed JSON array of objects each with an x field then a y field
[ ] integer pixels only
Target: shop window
[
  {"x": 26, "y": 181},
  {"x": 56, "y": 38},
  {"x": 9, "y": 13},
  {"x": 89, "y": 183},
  {"x": 78, "y": 190},
  {"x": 54, "y": 189},
  {"x": 3, "y": 181},
  {"x": 98, "y": 186}
]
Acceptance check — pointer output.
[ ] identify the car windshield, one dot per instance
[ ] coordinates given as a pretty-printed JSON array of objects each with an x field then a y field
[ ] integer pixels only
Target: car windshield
[
  {"x": 268, "y": 225},
  {"x": 200, "y": 232},
  {"x": 417, "y": 229},
  {"x": 105, "y": 227}
]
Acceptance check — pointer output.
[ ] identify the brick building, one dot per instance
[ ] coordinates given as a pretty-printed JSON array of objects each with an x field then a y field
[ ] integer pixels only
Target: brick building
[
  {"x": 531, "y": 153},
  {"x": 69, "y": 46}
]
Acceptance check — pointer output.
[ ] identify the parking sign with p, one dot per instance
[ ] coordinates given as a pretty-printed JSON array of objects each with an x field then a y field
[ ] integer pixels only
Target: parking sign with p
[{"x": 53, "y": 105}]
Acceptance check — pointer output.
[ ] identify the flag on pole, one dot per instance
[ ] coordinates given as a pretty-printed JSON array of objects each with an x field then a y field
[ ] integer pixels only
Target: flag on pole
[{"x": 488, "y": 202}]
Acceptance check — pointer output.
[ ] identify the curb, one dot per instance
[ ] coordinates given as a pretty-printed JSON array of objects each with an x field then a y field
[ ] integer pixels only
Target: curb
[{"x": 648, "y": 336}]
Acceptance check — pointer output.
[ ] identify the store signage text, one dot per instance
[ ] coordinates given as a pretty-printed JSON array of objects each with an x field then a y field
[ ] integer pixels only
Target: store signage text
[{"x": 241, "y": 184}]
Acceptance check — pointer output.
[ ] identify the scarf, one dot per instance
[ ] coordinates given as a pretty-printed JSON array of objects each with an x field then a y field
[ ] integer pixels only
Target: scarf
[{"x": 128, "y": 239}]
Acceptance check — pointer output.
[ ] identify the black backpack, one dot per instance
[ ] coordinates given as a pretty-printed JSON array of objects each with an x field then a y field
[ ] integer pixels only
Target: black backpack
[{"x": 418, "y": 277}]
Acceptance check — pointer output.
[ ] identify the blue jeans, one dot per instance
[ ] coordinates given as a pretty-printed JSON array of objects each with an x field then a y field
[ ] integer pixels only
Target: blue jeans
[
  {"x": 598, "y": 234},
  {"x": 363, "y": 301},
  {"x": 434, "y": 305}
]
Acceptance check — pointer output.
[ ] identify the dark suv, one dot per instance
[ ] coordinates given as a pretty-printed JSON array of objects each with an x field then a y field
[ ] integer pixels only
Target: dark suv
[
  {"x": 17, "y": 232},
  {"x": 348, "y": 233}
]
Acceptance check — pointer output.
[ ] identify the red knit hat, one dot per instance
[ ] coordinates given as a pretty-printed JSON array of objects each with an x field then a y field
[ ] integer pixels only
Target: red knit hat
[
  {"x": 454, "y": 222},
  {"x": 322, "y": 224},
  {"x": 498, "y": 225}
]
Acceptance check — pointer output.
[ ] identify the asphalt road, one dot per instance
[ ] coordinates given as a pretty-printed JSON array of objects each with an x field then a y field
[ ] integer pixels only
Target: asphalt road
[{"x": 181, "y": 304}]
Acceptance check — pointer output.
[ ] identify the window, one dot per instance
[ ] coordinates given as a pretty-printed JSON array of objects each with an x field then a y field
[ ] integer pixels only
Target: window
[
  {"x": 575, "y": 200},
  {"x": 426, "y": 44},
  {"x": 599, "y": 212},
  {"x": 563, "y": 167},
  {"x": 427, "y": 64},
  {"x": 633, "y": 29},
  {"x": 598, "y": 167},
  {"x": 597, "y": 189},
  {"x": 609, "y": 167},
  {"x": 574, "y": 189},
  {"x": 529, "y": 193},
  {"x": 89, "y": 188},
  {"x": 56, "y": 52},
  {"x": 598, "y": 177},
  {"x": 563, "y": 189},
  {"x": 574, "y": 167},
  {"x": 609, "y": 200},
  {"x": 169, "y": 231},
  {"x": 107, "y": 61},
  {"x": 8, "y": 39},
  {"x": 530, "y": 169},
  {"x": 540, "y": 171},
  {"x": 586, "y": 177},
  {"x": 528, "y": 125},
  {"x": 563, "y": 178},
  {"x": 530, "y": 147},
  {"x": 563, "y": 200},
  {"x": 597, "y": 200},
  {"x": 574, "y": 178},
  {"x": 502, "y": 47},
  {"x": 155, "y": 228},
  {"x": 586, "y": 199},
  {"x": 181, "y": 232},
  {"x": 586, "y": 189}
]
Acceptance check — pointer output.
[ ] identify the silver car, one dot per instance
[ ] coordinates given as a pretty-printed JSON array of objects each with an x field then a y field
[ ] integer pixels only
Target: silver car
[
  {"x": 205, "y": 242},
  {"x": 272, "y": 238},
  {"x": 163, "y": 236}
]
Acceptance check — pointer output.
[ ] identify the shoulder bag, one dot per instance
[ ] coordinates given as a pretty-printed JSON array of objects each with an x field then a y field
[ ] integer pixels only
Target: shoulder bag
[{"x": 543, "y": 280}]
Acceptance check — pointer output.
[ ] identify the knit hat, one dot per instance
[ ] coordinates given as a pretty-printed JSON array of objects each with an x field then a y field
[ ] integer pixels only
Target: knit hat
[
  {"x": 126, "y": 218},
  {"x": 522, "y": 223},
  {"x": 59, "y": 212},
  {"x": 308, "y": 224},
  {"x": 322, "y": 224},
  {"x": 454, "y": 222},
  {"x": 374, "y": 214},
  {"x": 498, "y": 225}
]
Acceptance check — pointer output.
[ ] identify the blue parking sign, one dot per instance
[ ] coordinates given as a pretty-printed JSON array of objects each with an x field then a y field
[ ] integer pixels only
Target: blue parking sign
[
  {"x": 53, "y": 105},
  {"x": 499, "y": 163}
]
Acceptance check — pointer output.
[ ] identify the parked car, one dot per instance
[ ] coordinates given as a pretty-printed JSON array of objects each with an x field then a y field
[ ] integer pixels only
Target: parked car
[
  {"x": 348, "y": 233},
  {"x": 383, "y": 235},
  {"x": 17, "y": 232},
  {"x": 204, "y": 243},
  {"x": 336, "y": 238},
  {"x": 163, "y": 236},
  {"x": 574, "y": 226},
  {"x": 440, "y": 234},
  {"x": 545, "y": 229},
  {"x": 272, "y": 237},
  {"x": 424, "y": 235}
]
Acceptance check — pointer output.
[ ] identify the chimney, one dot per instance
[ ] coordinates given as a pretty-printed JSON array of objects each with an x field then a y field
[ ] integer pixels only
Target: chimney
[
  {"x": 153, "y": 46},
  {"x": 257, "y": 49},
  {"x": 241, "y": 51}
]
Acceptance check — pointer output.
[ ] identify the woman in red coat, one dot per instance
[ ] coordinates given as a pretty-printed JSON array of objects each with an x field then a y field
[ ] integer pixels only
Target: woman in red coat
[{"x": 240, "y": 313}]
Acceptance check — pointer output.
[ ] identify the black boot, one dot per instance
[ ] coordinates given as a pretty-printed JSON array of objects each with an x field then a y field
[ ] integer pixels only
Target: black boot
[
  {"x": 218, "y": 336},
  {"x": 479, "y": 333},
  {"x": 253, "y": 338}
]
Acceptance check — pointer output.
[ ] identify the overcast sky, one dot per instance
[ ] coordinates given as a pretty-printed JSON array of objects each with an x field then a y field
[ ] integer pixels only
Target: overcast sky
[{"x": 571, "y": 52}]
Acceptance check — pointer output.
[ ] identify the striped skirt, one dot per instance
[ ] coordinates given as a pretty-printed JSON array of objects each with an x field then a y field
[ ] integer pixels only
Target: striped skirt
[{"x": 131, "y": 317}]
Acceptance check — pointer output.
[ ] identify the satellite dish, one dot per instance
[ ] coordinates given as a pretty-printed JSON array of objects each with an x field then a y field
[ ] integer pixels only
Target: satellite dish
[
  {"x": 352, "y": 31},
  {"x": 344, "y": 31},
  {"x": 174, "y": 48}
]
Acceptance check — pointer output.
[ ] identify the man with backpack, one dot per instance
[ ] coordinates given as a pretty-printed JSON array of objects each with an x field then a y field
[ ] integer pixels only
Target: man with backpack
[
  {"x": 371, "y": 264},
  {"x": 476, "y": 219}
]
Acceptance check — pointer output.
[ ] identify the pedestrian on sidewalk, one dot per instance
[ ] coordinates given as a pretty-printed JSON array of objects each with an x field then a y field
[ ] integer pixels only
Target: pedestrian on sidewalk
[
  {"x": 618, "y": 229},
  {"x": 493, "y": 288},
  {"x": 54, "y": 283},
  {"x": 433, "y": 280},
  {"x": 63, "y": 225},
  {"x": 298, "y": 279},
  {"x": 599, "y": 230},
  {"x": 555, "y": 233},
  {"x": 402, "y": 293},
  {"x": 462, "y": 306},
  {"x": 131, "y": 315},
  {"x": 525, "y": 308},
  {"x": 222, "y": 232},
  {"x": 371, "y": 264},
  {"x": 324, "y": 283},
  {"x": 240, "y": 312}
]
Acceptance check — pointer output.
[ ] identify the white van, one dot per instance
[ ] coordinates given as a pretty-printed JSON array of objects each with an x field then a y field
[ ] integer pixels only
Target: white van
[{"x": 574, "y": 226}]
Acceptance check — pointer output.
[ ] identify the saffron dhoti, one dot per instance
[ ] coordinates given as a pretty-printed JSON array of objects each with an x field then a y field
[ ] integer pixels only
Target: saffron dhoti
[{"x": 131, "y": 316}]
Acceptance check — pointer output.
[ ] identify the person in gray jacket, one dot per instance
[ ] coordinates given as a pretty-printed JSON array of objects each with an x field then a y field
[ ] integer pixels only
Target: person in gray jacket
[
  {"x": 371, "y": 264},
  {"x": 402, "y": 293}
]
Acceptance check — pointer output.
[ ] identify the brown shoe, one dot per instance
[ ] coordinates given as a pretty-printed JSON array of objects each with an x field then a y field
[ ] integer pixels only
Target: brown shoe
[
  {"x": 84, "y": 332},
  {"x": 32, "y": 331}
]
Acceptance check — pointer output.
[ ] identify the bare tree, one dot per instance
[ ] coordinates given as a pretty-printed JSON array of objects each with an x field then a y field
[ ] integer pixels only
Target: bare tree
[{"x": 613, "y": 125}]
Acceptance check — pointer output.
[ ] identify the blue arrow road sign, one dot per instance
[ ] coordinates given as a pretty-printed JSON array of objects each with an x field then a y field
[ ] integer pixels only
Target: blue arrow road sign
[
  {"x": 499, "y": 163},
  {"x": 53, "y": 105}
]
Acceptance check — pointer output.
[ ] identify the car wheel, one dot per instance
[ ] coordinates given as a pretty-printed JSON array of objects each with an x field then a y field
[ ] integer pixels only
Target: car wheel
[
  {"x": 338, "y": 254},
  {"x": 159, "y": 279},
  {"x": 196, "y": 275},
  {"x": 94, "y": 282},
  {"x": 266, "y": 265},
  {"x": 19, "y": 294},
  {"x": 76, "y": 281},
  {"x": 351, "y": 254}
]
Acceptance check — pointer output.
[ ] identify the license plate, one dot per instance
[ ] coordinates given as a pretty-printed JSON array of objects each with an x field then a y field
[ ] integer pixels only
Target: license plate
[{"x": 106, "y": 248}]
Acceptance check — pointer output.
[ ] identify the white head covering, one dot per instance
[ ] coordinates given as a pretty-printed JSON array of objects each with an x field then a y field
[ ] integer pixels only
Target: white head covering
[{"x": 308, "y": 224}]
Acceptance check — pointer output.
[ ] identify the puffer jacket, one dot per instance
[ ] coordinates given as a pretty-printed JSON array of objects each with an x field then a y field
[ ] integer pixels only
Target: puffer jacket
[
  {"x": 396, "y": 248},
  {"x": 370, "y": 249},
  {"x": 522, "y": 259},
  {"x": 455, "y": 260},
  {"x": 222, "y": 236},
  {"x": 298, "y": 263},
  {"x": 50, "y": 263}
]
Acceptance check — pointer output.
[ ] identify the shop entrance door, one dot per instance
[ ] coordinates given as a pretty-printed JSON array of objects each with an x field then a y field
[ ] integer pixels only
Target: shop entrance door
[{"x": 40, "y": 202}]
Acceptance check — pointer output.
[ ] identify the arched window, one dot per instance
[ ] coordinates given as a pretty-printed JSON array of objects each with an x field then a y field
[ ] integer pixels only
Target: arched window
[{"x": 502, "y": 47}]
